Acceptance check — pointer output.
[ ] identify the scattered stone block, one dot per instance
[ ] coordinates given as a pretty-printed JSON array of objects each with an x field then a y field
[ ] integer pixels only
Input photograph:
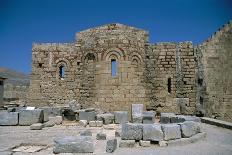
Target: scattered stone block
[
  {"x": 148, "y": 117},
  {"x": 121, "y": 117},
  {"x": 9, "y": 118},
  {"x": 179, "y": 142},
  {"x": 101, "y": 136},
  {"x": 111, "y": 145},
  {"x": 86, "y": 133},
  {"x": 51, "y": 111},
  {"x": 165, "y": 118},
  {"x": 37, "y": 126},
  {"x": 29, "y": 117},
  {"x": 163, "y": 143},
  {"x": 152, "y": 132},
  {"x": 99, "y": 123},
  {"x": 171, "y": 131},
  {"x": 49, "y": 124},
  {"x": 189, "y": 128},
  {"x": 83, "y": 123},
  {"x": 127, "y": 143},
  {"x": 144, "y": 143},
  {"x": 198, "y": 137},
  {"x": 75, "y": 144},
  {"x": 132, "y": 131},
  {"x": 92, "y": 124},
  {"x": 107, "y": 118},
  {"x": 56, "y": 119},
  {"x": 137, "y": 113},
  {"x": 89, "y": 116}
]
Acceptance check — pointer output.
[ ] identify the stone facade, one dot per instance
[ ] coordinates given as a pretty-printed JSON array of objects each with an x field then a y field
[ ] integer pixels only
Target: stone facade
[
  {"x": 162, "y": 76},
  {"x": 214, "y": 74}
]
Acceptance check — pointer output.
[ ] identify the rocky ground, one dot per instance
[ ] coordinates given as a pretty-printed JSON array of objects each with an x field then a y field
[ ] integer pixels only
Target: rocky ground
[{"x": 217, "y": 142}]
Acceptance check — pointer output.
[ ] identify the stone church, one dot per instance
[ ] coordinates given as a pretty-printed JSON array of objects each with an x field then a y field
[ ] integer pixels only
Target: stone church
[{"x": 112, "y": 66}]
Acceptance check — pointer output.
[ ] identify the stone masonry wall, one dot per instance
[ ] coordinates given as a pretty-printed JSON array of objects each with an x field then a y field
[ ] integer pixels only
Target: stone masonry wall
[
  {"x": 143, "y": 71},
  {"x": 215, "y": 80}
]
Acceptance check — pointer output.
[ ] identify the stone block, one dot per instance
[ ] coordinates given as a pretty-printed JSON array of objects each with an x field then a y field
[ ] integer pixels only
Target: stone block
[
  {"x": 171, "y": 131},
  {"x": 118, "y": 133},
  {"x": 144, "y": 143},
  {"x": 37, "y": 126},
  {"x": 101, "y": 136},
  {"x": 74, "y": 105},
  {"x": 189, "y": 118},
  {"x": 83, "y": 123},
  {"x": 89, "y": 116},
  {"x": 9, "y": 118},
  {"x": 49, "y": 124},
  {"x": 121, "y": 117},
  {"x": 166, "y": 117},
  {"x": 99, "y": 123},
  {"x": 148, "y": 117},
  {"x": 111, "y": 145},
  {"x": 132, "y": 131},
  {"x": 179, "y": 142},
  {"x": 92, "y": 124},
  {"x": 29, "y": 117},
  {"x": 107, "y": 118},
  {"x": 137, "y": 113},
  {"x": 127, "y": 143},
  {"x": 198, "y": 137},
  {"x": 75, "y": 144},
  {"x": 152, "y": 132},
  {"x": 86, "y": 133},
  {"x": 51, "y": 111},
  {"x": 189, "y": 128},
  {"x": 163, "y": 143},
  {"x": 56, "y": 119}
]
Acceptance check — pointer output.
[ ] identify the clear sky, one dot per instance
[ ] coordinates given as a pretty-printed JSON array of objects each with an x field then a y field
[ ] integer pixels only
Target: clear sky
[{"x": 23, "y": 22}]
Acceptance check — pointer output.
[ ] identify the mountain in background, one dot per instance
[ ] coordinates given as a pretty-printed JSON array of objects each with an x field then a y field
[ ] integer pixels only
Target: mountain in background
[{"x": 14, "y": 77}]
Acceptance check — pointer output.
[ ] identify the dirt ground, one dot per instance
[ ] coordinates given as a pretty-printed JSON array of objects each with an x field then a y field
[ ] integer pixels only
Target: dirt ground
[{"x": 217, "y": 142}]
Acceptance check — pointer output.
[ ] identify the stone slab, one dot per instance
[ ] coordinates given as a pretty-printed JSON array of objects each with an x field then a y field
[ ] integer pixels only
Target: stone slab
[
  {"x": 89, "y": 116},
  {"x": 179, "y": 142},
  {"x": 37, "y": 126},
  {"x": 198, "y": 137},
  {"x": 152, "y": 132},
  {"x": 92, "y": 124},
  {"x": 74, "y": 144},
  {"x": 83, "y": 123},
  {"x": 127, "y": 143},
  {"x": 29, "y": 117},
  {"x": 166, "y": 117},
  {"x": 99, "y": 123},
  {"x": 171, "y": 131},
  {"x": 189, "y": 128},
  {"x": 216, "y": 122},
  {"x": 132, "y": 131},
  {"x": 137, "y": 113},
  {"x": 144, "y": 143},
  {"x": 121, "y": 117},
  {"x": 9, "y": 118},
  {"x": 107, "y": 118},
  {"x": 148, "y": 117},
  {"x": 111, "y": 145},
  {"x": 56, "y": 119}
]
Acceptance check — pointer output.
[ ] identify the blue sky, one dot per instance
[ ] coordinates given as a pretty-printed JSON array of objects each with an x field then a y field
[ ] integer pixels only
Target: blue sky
[{"x": 23, "y": 22}]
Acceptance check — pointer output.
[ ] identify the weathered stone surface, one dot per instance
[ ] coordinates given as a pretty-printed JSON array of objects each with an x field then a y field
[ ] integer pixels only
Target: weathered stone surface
[
  {"x": 189, "y": 128},
  {"x": 179, "y": 142},
  {"x": 189, "y": 118},
  {"x": 152, "y": 132},
  {"x": 37, "y": 126},
  {"x": 83, "y": 123},
  {"x": 107, "y": 118},
  {"x": 171, "y": 131},
  {"x": 29, "y": 117},
  {"x": 9, "y": 118},
  {"x": 144, "y": 143},
  {"x": 198, "y": 137},
  {"x": 163, "y": 143},
  {"x": 216, "y": 122},
  {"x": 121, "y": 117},
  {"x": 86, "y": 133},
  {"x": 74, "y": 105},
  {"x": 75, "y": 144},
  {"x": 148, "y": 117},
  {"x": 56, "y": 119},
  {"x": 111, "y": 145},
  {"x": 137, "y": 113},
  {"x": 89, "y": 116},
  {"x": 166, "y": 117},
  {"x": 118, "y": 133},
  {"x": 127, "y": 143},
  {"x": 51, "y": 111},
  {"x": 101, "y": 136},
  {"x": 49, "y": 124},
  {"x": 99, "y": 123},
  {"x": 92, "y": 123},
  {"x": 132, "y": 131}
]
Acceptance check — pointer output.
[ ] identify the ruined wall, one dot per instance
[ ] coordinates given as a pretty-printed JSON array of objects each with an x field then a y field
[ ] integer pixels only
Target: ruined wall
[
  {"x": 144, "y": 71},
  {"x": 215, "y": 80},
  {"x": 15, "y": 92}
]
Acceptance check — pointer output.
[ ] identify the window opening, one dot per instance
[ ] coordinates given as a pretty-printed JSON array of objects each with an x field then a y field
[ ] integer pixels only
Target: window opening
[
  {"x": 113, "y": 67},
  {"x": 61, "y": 71},
  {"x": 169, "y": 85}
]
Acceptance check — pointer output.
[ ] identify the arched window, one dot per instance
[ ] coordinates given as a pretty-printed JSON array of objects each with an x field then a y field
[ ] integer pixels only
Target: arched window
[
  {"x": 61, "y": 71},
  {"x": 113, "y": 67},
  {"x": 169, "y": 85}
]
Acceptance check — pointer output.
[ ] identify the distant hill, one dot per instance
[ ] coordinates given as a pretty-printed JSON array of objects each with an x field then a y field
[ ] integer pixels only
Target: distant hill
[{"x": 14, "y": 77}]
